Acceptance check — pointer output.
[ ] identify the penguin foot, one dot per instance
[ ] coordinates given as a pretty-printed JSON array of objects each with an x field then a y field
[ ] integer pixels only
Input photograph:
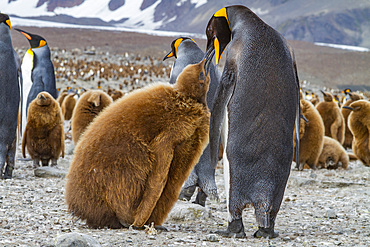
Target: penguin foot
[
  {"x": 8, "y": 174},
  {"x": 201, "y": 198},
  {"x": 187, "y": 193},
  {"x": 234, "y": 230},
  {"x": 265, "y": 233}
]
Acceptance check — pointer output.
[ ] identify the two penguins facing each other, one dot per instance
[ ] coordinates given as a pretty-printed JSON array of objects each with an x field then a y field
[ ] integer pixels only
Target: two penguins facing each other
[
  {"x": 148, "y": 143},
  {"x": 44, "y": 134}
]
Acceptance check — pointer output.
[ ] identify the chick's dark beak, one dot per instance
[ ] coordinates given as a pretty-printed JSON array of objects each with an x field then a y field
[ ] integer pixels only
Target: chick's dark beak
[{"x": 208, "y": 58}]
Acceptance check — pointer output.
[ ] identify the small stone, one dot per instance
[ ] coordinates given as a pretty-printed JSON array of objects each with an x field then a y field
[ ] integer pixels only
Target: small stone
[
  {"x": 212, "y": 238},
  {"x": 331, "y": 214},
  {"x": 49, "y": 172},
  {"x": 76, "y": 240}
]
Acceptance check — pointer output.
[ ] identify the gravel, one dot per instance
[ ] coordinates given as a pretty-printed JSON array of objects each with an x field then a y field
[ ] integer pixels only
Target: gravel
[{"x": 320, "y": 208}]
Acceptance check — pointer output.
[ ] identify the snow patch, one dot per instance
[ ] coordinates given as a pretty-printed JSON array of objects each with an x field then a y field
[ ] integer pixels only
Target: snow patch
[
  {"x": 345, "y": 47},
  {"x": 16, "y": 21}
]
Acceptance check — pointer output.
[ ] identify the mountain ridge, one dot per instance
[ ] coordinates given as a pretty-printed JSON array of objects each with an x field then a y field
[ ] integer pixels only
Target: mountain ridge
[{"x": 332, "y": 21}]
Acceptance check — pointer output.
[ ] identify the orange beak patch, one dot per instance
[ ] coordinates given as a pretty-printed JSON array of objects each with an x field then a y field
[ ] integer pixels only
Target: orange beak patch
[{"x": 27, "y": 36}]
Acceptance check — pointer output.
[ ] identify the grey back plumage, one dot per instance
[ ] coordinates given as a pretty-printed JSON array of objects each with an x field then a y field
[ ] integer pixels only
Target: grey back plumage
[{"x": 9, "y": 98}]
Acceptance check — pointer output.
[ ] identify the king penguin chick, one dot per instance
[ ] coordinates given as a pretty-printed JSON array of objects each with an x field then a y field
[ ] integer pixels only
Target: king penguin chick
[
  {"x": 311, "y": 135},
  {"x": 359, "y": 124},
  {"x": 348, "y": 137},
  {"x": 332, "y": 117},
  {"x": 9, "y": 99},
  {"x": 87, "y": 108},
  {"x": 186, "y": 52},
  {"x": 68, "y": 105},
  {"x": 44, "y": 134},
  {"x": 147, "y": 144},
  {"x": 332, "y": 155},
  {"x": 37, "y": 72}
]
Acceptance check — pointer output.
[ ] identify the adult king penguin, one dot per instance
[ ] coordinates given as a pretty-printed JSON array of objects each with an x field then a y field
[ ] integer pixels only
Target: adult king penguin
[
  {"x": 37, "y": 70},
  {"x": 9, "y": 99},
  {"x": 256, "y": 104},
  {"x": 186, "y": 52}
]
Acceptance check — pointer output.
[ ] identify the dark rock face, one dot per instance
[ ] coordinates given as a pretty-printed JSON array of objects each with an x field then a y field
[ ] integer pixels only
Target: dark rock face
[
  {"x": 338, "y": 28},
  {"x": 115, "y": 4},
  {"x": 52, "y": 4},
  {"x": 147, "y": 3}
]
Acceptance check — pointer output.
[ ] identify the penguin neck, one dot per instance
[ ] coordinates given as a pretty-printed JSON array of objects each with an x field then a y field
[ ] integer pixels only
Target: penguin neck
[
  {"x": 42, "y": 51},
  {"x": 5, "y": 34}
]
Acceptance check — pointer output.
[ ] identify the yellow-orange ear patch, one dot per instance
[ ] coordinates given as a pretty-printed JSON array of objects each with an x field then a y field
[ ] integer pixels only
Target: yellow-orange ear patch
[{"x": 42, "y": 43}]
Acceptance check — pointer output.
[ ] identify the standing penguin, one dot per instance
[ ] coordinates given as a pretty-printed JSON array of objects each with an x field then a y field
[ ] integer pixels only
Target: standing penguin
[
  {"x": 186, "y": 52},
  {"x": 359, "y": 124},
  {"x": 256, "y": 105},
  {"x": 37, "y": 70},
  {"x": 332, "y": 117},
  {"x": 348, "y": 137},
  {"x": 9, "y": 99}
]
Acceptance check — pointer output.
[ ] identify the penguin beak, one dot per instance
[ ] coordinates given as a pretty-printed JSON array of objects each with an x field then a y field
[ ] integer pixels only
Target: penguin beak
[
  {"x": 323, "y": 92},
  {"x": 42, "y": 96},
  {"x": 24, "y": 33},
  {"x": 304, "y": 118},
  {"x": 9, "y": 23},
  {"x": 208, "y": 59},
  {"x": 347, "y": 107},
  {"x": 170, "y": 54}
]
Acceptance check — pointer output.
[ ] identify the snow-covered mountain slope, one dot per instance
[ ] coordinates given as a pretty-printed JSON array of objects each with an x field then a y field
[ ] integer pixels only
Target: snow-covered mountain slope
[{"x": 330, "y": 21}]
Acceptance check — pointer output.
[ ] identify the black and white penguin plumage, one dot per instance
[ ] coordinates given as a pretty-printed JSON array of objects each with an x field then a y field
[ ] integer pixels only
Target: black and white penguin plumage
[
  {"x": 9, "y": 99},
  {"x": 37, "y": 70},
  {"x": 256, "y": 104},
  {"x": 186, "y": 52}
]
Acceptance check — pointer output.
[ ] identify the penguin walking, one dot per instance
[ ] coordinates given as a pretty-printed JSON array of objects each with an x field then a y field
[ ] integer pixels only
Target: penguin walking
[
  {"x": 332, "y": 117},
  {"x": 186, "y": 52},
  {"x": 9, "y": 99},
  {"x": 37, "y": 72},
  {"x": 256, "y": 104}
]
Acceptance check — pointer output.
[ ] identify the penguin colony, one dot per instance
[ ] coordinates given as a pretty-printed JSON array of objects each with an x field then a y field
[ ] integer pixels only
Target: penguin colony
[
  {"x": 149, "y": 141},
  {"x": 230, "y": 25}
]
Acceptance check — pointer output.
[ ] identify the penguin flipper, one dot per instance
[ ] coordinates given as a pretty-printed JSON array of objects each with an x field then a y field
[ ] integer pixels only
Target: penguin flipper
[
  {"x": 24, "y": 141},
  {"x": 222, "y": 97},
  {"x": 156, "y": 180}
]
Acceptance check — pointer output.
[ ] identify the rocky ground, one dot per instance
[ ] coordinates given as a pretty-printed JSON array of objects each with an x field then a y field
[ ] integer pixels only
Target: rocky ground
[{"x": 320, "y": 208}]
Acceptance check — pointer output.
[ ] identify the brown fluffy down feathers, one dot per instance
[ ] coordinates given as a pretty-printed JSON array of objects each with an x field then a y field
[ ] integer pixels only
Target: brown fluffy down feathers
[
  {"x": 68, "y": 105},
  {"x": 131, "y": 162},
  {"x": 332, "y": 118},
  {"x": 333, "y": 153},
  {"x": 359, "y": 124},
  {"x": 348, "y": 137},
  {"x": 44, "y": 134},
  {"x": 87, "y": 108},
  {"x": 311, "y": 135}
]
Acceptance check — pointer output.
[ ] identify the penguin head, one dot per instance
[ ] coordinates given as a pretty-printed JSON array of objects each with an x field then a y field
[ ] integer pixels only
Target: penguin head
[
  {"x": 328, "y": 97},
  {"x": 35, "y": 40},
  {"x": 4, "y": 18},
  {"x": 359, "y": 106},
  {"x": 194, "y": 82},
  {"x": 218, "y": 33},
  {"x": 44, "y": 99},
  {"x": 355, "y": 96},
  {"x": 346, "y": 91},
  {"x": 175, "y": 45}
]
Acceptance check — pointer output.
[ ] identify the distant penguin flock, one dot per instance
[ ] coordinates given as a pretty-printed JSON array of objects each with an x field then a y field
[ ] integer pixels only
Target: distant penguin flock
[{"x": 137, "y": 151}]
